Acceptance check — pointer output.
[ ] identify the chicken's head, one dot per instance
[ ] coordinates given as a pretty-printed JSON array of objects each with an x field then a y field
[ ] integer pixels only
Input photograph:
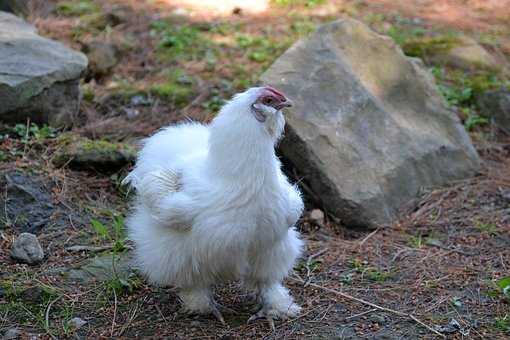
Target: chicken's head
[
  {"x": 258, "y": 109},
  {"x": 269, "y": 101},
  {"x": 265, "y": 108}
]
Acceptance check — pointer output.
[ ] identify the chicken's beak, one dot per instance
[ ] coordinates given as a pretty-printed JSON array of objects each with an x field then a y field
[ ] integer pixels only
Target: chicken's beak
[{"x": 286, "y": 103}]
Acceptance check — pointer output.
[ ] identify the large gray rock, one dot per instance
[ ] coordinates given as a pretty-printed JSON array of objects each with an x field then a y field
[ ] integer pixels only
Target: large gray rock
[
  {"x": 39, "y": 77},
  {"x": 368, "y": 129}
]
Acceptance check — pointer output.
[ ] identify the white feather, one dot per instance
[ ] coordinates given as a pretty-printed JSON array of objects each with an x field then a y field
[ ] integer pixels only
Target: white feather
[{"x": 214, "y": 205}]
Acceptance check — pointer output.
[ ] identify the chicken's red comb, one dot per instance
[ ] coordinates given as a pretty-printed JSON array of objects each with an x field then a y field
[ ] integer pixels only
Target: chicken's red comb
[{"x": 275, "y": 92}]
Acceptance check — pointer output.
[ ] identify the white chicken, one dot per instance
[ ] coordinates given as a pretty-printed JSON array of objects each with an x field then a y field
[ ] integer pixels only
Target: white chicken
[{"x": 213, "y": 206}]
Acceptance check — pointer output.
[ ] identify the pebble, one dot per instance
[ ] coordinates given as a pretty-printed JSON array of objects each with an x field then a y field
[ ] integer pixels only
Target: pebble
[
  {"x": 26, "y": 248},
  {"x": 380, "y": 319},
  {"x": 12, "y": 333},
  {"x": 77, "y": 323},
  {"x": 317, "y": 216}
]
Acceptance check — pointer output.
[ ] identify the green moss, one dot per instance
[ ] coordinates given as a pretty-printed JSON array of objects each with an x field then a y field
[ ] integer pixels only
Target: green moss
[
  {"x": 461, "y": 89},
  {"x": 376, "y": 275},
  {"x": 502, "y": 323},
  {"x": 93, "y": 21},
  {"x": 77, "y": 8},
  {"x": 427, "y": 46},
  {"x": 124, "y": 89},
  {"x": 486, "y": 81},
  {"x": 100, "y": 146},
  {"x": 10, "y": 289},
  {"x": 402, "y": 34},
  {"x": 260, "y": 48},
  {"x": 88, "y": 93},
  {"x": 178, "y": 87},
  {"x": 173, "y": 92},
  {"x": 174, "y": 41},
  {"x": 303, "y": 26},
  {"x": 65, "y": 139},
  {"x": 85, "y": 153}
]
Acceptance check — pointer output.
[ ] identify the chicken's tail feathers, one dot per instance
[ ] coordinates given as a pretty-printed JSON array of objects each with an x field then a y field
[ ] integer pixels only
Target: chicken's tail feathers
[{"x": 168, "y": 179}]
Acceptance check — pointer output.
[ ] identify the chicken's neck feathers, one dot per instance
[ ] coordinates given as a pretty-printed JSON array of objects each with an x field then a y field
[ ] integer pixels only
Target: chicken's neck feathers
[{"x": 241, "y": 153}]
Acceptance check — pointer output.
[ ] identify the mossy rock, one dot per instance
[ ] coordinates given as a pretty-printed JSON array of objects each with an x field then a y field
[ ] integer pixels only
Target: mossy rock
[
  {"x": 77, "y": 8},
  {"x": 457, "y": 51},
  {"x": 83, "y": 153},
  {"x": 423, "y": 47}
]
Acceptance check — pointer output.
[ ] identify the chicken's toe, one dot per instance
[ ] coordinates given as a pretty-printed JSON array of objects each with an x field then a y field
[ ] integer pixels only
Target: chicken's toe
[
  {"x": 217, "y": 314},
  {"x": 269, "y": 314},
  {"x": 213, "y": 309}
]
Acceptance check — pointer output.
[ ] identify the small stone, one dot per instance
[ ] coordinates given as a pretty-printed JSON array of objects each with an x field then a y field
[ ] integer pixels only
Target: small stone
[
  {"x": 26, "y": 248},
  {"x": 140, "y": 100},
  {"x": 131, "y": 113},
  {"x": 12, "y": 333},
  {"x": 380, "y": 319},
  {"x": 317, "y": 216},
  {"x": 77, "y": 323}
]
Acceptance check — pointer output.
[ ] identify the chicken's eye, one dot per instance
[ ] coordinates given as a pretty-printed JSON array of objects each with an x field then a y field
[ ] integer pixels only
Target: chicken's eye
[{"x": 267, "y": 100}]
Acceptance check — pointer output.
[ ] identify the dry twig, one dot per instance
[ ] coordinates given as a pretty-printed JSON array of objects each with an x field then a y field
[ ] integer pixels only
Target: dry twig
[
  {"x": 114, "y": 313},
  {"x": 47, "y": 316},
  {"x": 373, "y": 305},
  {"x": 368, "y": 236},
  {"x": 360, "y": 314}
]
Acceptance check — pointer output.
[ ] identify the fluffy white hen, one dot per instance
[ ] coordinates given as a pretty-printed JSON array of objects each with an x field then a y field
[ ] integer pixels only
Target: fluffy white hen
[{"x": 213, "y": 206}]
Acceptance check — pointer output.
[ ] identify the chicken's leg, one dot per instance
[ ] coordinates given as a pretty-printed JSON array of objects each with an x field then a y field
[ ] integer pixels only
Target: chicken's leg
[
  {"x": 276, "y": 304},
  {"x": 200, "y": 301}
]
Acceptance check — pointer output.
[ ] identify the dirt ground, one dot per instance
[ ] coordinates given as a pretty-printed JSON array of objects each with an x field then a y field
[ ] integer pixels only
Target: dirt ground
[{"x": 431, "y": 274}]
